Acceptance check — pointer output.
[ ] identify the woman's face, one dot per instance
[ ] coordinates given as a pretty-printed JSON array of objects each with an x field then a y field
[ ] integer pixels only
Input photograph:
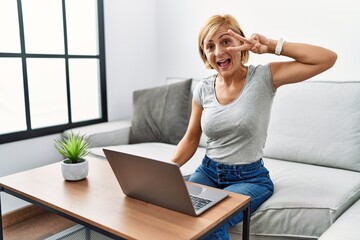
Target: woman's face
[{"x": 215, "y": 48}]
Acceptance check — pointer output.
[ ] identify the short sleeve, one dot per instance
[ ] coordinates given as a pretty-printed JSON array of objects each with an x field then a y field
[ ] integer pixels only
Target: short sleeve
[
  {"x": 268, "y": 77},
  {"x": 197, "y": 94}
]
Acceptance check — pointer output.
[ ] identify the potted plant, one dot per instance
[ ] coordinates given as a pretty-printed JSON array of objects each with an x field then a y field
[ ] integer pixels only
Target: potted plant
[{"x": 74, "y": 148}]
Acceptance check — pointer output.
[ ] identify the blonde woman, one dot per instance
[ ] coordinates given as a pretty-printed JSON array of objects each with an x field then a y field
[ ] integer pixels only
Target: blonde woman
[{"x": 232, "y": 107}]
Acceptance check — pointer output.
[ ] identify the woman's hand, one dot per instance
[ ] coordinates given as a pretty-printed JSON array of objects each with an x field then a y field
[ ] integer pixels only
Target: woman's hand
[{"x": 256, "y": 43}]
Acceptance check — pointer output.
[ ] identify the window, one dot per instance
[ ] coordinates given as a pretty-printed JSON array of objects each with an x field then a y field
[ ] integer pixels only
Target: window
[{"x": 52, "y": 66}]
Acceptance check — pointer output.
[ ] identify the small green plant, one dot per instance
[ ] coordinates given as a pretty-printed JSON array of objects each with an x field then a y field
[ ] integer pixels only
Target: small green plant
[{"x": 74, "y": 147}]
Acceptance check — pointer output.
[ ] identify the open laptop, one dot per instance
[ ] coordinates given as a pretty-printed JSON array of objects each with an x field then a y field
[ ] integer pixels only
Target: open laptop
[{"x": 161, "y": 183}]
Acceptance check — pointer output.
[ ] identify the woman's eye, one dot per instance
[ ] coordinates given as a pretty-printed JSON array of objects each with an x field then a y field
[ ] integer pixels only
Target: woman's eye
[
  {"x": 209, "y": 47},
  {"x": 226, "y": 42}
]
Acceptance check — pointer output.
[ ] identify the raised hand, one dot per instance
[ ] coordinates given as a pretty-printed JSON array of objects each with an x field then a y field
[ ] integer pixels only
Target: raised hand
[{"x": 256, "y": 43}]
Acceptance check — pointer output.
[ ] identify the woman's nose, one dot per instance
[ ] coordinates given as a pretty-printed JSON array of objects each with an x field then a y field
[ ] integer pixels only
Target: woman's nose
[{"x": 219, "y": 51}]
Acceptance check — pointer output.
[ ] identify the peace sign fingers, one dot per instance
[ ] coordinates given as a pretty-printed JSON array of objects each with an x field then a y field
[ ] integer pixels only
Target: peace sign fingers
[
  {"x": 247, "y": 44},
  {"x": 256, "y": 43}
]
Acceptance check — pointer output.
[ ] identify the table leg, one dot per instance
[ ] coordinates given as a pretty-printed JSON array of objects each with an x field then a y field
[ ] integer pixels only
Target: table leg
[
  {"x": 246, "y": 223},
  {"x": 1, "y": 225},
  {"x": 87, "y": 233}
]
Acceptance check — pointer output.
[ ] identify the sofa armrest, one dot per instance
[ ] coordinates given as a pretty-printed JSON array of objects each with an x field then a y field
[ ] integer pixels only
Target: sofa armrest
[{"x": 104, "y": 134}]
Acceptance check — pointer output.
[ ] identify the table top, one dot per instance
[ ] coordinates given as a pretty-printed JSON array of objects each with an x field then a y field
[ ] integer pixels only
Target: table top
[{"x": 99, "y": 201}]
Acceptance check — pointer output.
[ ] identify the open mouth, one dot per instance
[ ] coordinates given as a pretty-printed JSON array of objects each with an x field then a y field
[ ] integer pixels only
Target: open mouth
[{"x": 224, "y": 63}]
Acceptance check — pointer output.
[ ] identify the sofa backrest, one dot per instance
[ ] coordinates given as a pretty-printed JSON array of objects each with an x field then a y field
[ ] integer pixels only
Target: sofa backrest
[{"x": 316, "y": 122}]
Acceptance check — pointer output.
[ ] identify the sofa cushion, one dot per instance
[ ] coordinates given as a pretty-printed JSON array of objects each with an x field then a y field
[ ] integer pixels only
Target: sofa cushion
[
  {"x": 159, "y": 151},
  {"x": 306, "y": 201},
  {"x": 316, "y": 122},
  {"x": 195, "y": 81},
  {"x": 161, "y": 114},
  {"x": 346, "y": 227}
]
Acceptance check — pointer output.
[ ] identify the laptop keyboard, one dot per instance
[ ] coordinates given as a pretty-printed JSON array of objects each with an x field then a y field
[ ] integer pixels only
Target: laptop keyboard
[{"x": 198, "y": 202}]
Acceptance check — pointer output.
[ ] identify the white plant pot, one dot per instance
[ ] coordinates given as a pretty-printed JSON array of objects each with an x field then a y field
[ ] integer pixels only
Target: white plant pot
[{"x": 75, "y": 171}]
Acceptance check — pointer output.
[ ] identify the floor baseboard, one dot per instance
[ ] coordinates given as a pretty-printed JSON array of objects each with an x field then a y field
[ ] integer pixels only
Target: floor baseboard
[{"x": 21, "y": 214}]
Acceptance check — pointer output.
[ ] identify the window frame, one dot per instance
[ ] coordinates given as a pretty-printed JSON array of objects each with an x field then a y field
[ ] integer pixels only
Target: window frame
[{"x": 32, "y": 133}]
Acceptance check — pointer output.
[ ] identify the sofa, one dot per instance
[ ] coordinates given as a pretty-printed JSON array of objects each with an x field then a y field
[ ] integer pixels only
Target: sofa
[{"x": 312, "y": 153}]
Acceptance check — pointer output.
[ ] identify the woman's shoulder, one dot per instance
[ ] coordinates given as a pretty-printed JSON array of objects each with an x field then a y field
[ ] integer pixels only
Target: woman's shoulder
[
  {"x": 259, "y": 71},
  {"x": 205, "y": 85},
  {"x": 261, "y": 74},
  {"x": 259, "y": 68},
  {"x": 206, "y": 82}
]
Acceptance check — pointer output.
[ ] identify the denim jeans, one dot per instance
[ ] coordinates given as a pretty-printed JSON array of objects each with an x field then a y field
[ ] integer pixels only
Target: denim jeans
[{"x": 248, "y": 179}]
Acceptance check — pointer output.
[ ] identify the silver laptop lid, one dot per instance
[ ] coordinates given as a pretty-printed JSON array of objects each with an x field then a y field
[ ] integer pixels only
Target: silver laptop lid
[{"x": 157, "y": 182}]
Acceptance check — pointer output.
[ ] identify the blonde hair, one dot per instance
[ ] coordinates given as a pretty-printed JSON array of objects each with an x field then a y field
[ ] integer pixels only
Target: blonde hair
[{"x": 211, "y": 26}]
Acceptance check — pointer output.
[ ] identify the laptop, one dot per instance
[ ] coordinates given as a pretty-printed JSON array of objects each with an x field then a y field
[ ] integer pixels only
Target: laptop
[{"x": 161, "y": 183}]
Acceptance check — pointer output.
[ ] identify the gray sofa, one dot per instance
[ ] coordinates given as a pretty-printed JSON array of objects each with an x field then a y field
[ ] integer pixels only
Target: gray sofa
[{"x": 312, "y": 153}]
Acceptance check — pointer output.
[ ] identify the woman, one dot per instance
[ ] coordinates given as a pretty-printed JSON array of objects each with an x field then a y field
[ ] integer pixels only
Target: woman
[{"x": 233, "y": 107}]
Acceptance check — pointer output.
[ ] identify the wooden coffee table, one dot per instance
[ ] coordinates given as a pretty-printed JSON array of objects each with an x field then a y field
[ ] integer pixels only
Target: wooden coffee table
[{"x": 98, "y": 203}]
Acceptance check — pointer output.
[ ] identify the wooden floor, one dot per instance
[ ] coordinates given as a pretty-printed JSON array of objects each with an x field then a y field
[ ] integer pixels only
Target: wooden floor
[{"x": 37, "y": 227}]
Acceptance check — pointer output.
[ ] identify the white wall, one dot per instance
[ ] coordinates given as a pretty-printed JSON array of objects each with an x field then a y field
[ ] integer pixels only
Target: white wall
[
  {"x": 148, "y": 40},
  {"x": 332, "y": 24},
  {"x": 131, "y": 34}
]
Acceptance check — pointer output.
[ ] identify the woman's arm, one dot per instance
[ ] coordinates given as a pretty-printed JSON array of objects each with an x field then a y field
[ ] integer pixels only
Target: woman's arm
[
  {"x": 309, "y": 60},
  {"x": 190, "y": 142}
]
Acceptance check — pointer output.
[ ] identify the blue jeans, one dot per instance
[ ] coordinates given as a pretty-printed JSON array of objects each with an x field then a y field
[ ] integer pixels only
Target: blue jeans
[{"x": 249, "y": 179}]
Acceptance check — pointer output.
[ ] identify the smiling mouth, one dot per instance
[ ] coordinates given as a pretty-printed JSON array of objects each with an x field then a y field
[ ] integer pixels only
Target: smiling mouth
[{"x": 224, "y": 63}]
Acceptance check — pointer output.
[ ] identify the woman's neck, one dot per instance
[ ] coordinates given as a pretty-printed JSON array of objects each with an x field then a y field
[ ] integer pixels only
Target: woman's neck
[{"x": 238, "y": 76}]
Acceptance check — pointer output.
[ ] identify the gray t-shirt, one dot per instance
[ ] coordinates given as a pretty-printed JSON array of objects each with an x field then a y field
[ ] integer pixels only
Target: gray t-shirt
[{"x": 236, "y": 132}]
